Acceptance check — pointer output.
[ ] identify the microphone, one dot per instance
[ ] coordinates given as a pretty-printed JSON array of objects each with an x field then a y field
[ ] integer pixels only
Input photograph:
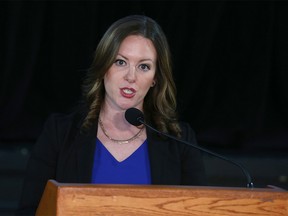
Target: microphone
[{"x": 136, "y": 117}]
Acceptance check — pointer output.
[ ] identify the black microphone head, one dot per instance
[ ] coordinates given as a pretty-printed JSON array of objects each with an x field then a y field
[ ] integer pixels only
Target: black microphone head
[{"x": 133, "y": 116}]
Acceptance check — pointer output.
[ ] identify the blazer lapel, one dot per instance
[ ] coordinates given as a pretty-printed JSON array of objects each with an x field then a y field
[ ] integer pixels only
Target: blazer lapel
[{"x": 87, "y": 145}]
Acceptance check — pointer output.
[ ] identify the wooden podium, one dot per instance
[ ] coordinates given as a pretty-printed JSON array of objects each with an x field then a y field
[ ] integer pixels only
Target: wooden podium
[{"x": 90, "y": 199}]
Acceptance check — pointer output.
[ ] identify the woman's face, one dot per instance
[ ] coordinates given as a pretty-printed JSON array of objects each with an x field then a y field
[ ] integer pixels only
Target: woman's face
[{"x": 132, "y": 74}]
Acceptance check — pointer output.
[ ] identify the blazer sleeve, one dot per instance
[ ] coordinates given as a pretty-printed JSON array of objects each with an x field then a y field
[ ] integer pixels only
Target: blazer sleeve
[{"x": 40, "y": 168}]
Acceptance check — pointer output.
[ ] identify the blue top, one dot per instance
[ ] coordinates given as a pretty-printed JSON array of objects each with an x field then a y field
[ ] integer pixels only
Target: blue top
[{"x": 133, "y": 170}]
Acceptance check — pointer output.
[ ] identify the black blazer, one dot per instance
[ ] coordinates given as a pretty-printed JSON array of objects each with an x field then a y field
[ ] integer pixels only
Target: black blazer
[{"x": 66, "y": 155}]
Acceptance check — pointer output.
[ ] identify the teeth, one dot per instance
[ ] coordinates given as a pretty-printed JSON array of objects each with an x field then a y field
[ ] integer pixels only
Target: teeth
[{"x": 127, "y": 91}]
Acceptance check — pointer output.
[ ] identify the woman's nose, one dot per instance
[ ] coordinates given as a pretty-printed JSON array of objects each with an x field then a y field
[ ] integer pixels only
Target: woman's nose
[{"x": 130, "y": 76}]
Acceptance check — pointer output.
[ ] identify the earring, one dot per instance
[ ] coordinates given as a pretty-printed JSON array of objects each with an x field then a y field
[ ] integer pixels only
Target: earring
[{"x": 153, "y": 83}]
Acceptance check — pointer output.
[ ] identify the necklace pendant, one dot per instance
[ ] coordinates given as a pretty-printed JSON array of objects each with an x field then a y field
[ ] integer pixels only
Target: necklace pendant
[{"x": 123, "y": 142}]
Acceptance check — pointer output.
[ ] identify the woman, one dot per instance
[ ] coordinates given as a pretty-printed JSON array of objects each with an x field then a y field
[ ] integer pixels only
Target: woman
[{"x": 131, "y": 68}]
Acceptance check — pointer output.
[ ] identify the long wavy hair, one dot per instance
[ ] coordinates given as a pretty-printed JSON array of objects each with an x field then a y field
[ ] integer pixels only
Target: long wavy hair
[{"x": 160, "y": 102}]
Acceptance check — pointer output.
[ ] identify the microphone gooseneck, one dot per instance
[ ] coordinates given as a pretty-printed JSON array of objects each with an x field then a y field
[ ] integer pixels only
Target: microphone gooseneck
[{"x": 136, "y": 118}]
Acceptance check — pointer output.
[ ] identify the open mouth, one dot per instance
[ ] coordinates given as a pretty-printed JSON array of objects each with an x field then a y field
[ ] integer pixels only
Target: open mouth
[{"x": 127, "y": 92}]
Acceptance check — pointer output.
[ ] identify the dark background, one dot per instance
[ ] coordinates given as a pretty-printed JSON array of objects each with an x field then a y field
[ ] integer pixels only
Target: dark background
[{"x": 230, "y": 66}]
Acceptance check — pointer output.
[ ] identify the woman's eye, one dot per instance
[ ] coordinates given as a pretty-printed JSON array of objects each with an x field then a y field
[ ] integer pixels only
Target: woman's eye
[
  {"x": 144, "y": 67},
  {"x": 120, "y": 62}
]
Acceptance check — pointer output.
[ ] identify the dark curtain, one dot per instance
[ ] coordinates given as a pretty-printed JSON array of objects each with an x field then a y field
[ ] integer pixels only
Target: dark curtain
[{"x": 229, "y": 58}]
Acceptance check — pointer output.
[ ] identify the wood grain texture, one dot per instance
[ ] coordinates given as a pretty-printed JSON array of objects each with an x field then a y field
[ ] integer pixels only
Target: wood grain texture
[{"x": 89, "y": 199}]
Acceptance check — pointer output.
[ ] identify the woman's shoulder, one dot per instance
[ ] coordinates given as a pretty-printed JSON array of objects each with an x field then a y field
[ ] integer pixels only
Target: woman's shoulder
[
  {"x": 186, "y": 128},
  {"x": 59, "y": 126},
  {"x": 64, "y": 119},
  {"x": 187, "y": 132}
]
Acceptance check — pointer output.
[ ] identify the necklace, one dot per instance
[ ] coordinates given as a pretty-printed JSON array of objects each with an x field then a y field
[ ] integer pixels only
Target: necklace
[{"x": 119, "y": 141}]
